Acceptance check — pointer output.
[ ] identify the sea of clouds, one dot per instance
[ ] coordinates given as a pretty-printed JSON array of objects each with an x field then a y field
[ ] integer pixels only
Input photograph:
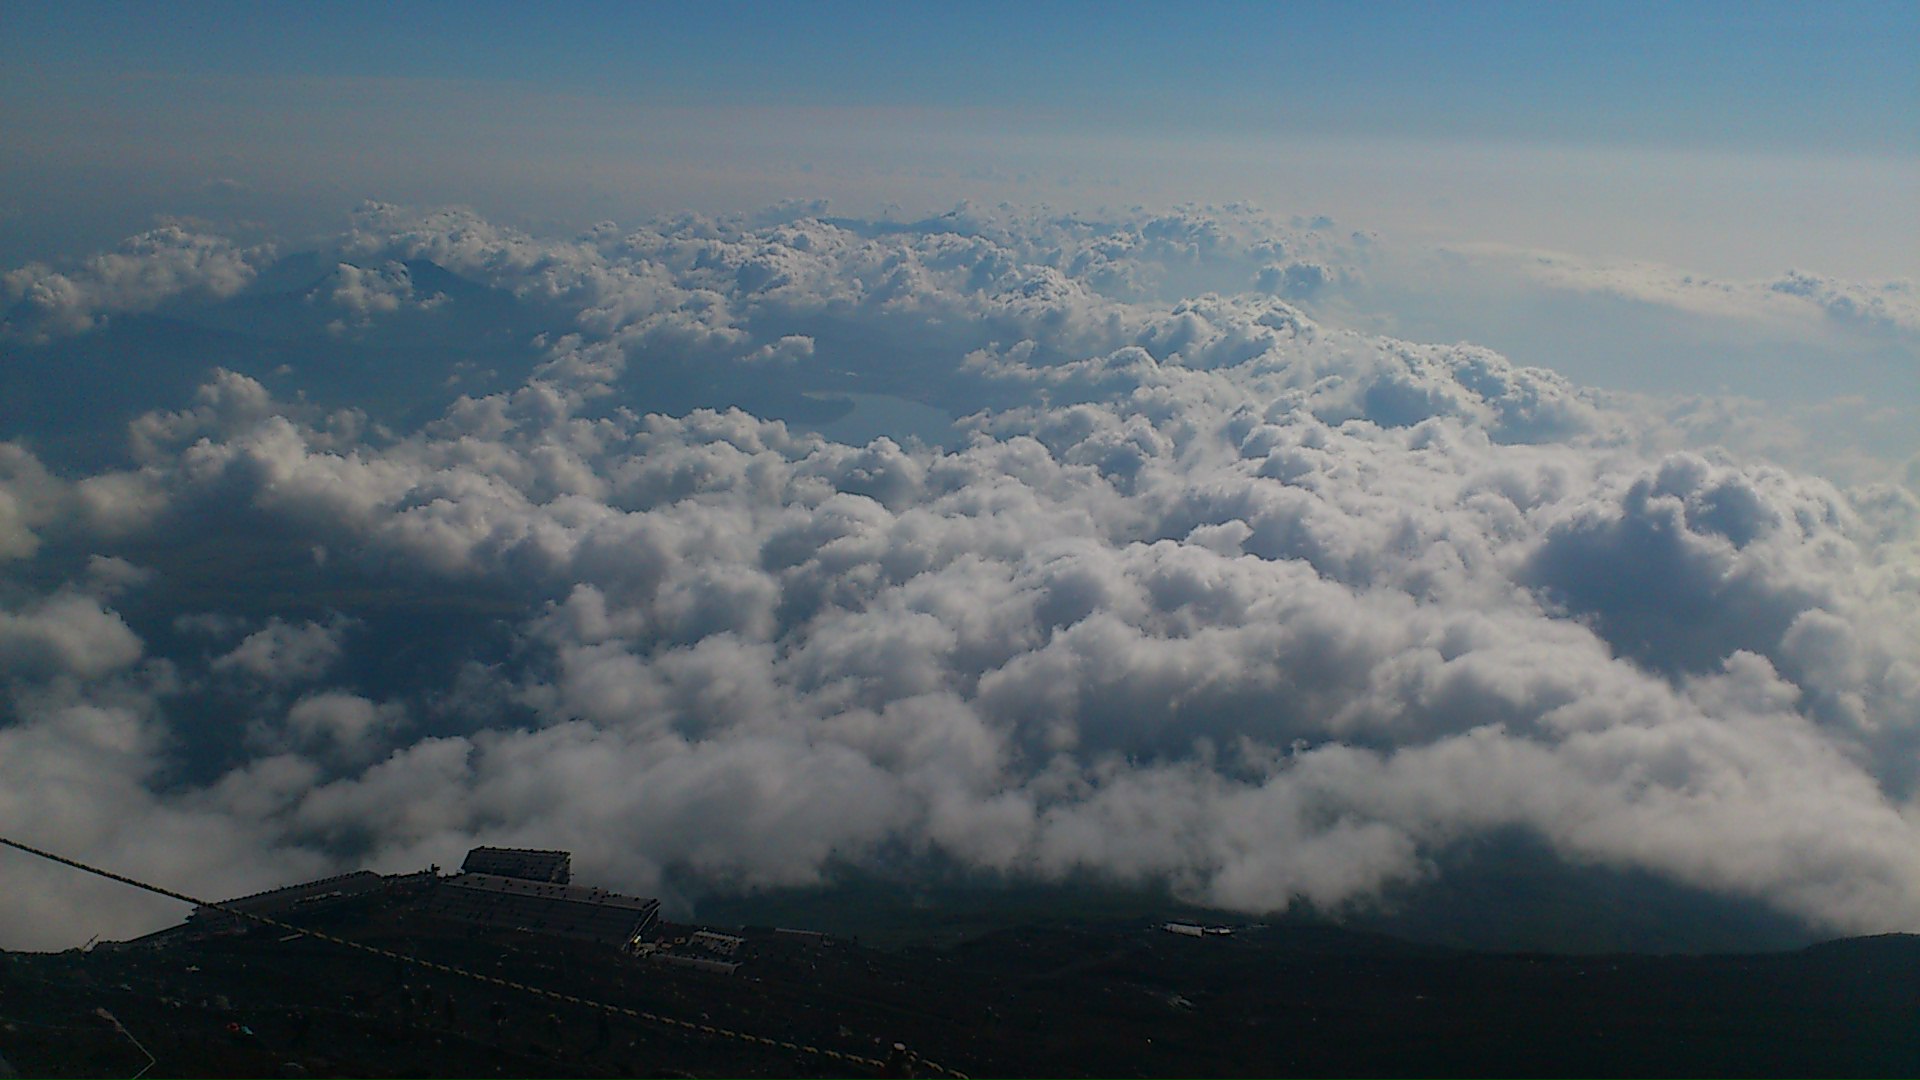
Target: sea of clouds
[{"x": 1199, "y": 590}]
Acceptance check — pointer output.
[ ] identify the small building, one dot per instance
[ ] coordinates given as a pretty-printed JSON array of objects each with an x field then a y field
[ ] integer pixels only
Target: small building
[
  {"x": 538, "y": 907},
  {"x": 724, "y": 944},
  {"x": 289, "y": 899},
  {"x": 1185, "y": 929},
  {"x": 527, "y": 864},
  {"x": 697, "y": 963}
]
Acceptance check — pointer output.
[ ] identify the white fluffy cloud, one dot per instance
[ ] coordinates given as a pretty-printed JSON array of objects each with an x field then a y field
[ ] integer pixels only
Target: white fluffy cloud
[
  {"x": 66, "y": 635},
  {"x": 365, "y": 293},
  {"x": 30, "y": 497},
  {"x": 283, "y": 653},
  {"x": 1212, "y": 594},
  {"x": 1892, "y": 305},
  {"x": 148, "y": 270},
  {"x": 346, "y": 724}
]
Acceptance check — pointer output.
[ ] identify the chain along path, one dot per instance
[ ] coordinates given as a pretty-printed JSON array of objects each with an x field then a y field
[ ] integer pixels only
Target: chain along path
[{"x": 709, "y": 1030}]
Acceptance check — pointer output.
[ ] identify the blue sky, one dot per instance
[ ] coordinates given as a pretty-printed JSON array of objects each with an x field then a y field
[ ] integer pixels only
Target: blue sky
[
  {"x": 1737, "y": 140},
  {"x": 1734, "y": 139},
  {"x": 1750, "y": 75}
]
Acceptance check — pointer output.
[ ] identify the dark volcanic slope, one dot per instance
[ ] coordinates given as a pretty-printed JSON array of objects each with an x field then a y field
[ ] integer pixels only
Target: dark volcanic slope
[{"x": 1112, "y": 999}]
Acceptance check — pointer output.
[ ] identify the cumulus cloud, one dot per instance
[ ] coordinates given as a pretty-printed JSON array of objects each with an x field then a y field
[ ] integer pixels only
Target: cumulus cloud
[
  {"x": 68, "y": 634},
  {"x": 149, "y": 270},
  {"x": 1207, "y": 594},
  {"x": 362, "y": 294},
  {"x": 345, "y": 724},
  {"x": 1892, "y": 305},
  {"x": 80, "y": 772},
  {"x": 30, "y": 497},
  {"x": 284, "y": 653}
]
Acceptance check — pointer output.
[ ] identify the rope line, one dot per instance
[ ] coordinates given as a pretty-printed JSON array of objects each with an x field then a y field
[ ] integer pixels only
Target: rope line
[{"x": 494, "y": 980}]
